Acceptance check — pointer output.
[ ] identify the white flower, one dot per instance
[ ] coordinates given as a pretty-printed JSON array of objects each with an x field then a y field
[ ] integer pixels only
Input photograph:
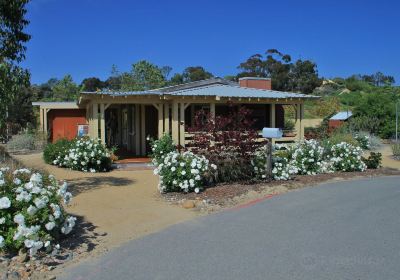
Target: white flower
[
  {"x": 1, "y": 241},
  {"x": 50, "y": 225},
  {"x": 197, "y": 190},
  {"x": 2, "y": 220},
  {"x": 19, "y": 219},
  {"x": 17, "y": 181},
  {"x": 173, "y": 168},
  {"x": 32, "y": 210},
  {"x": 5, "y": 202},
  {"x": 183, "y": 172}
]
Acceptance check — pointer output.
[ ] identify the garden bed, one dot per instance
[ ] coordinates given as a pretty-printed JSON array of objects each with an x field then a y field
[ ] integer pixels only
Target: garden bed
[{"x": 229, "y": 195}]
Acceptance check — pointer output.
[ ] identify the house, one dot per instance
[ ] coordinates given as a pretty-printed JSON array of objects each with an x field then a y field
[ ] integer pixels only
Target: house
[
  {"x": 338, "y": 120},
  {"x": 127, "y": 118}
]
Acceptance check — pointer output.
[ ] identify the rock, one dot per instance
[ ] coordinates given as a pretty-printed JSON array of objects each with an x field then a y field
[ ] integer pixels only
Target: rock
[
  {"x": 13, "y": 276},
  {"x": 188, "y": 204},
  {"x": 22, "y": 256},
  {"x": 52, "y": 277}
]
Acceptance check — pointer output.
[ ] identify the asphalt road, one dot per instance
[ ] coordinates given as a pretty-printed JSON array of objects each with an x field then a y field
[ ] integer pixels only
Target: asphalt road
[{"x": 345, "y": 230}]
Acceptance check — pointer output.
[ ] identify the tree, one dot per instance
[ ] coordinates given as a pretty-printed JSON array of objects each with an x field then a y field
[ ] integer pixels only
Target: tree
[
  {"x": 92, "y": 84},
  {"x": 195, "y": 73},
  {"x": 303, "y": 76},
  {"x": 144, "y": 76},
  {"x": 13, "y": 79},
  {"x": 65, "y": 89},
  {"x": 286, "y": 76}
]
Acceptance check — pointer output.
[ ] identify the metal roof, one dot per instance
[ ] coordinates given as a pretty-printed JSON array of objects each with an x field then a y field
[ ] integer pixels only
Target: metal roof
[
  {"x": 211, "y": 87},
  {"x": 237, "y": 91},
  {"x": 342, "y": 116},
  {"x": 56, "y": 105}
]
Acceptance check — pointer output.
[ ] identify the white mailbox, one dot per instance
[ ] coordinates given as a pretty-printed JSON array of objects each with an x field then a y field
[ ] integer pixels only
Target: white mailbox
[{"x": 271, "y": 132}]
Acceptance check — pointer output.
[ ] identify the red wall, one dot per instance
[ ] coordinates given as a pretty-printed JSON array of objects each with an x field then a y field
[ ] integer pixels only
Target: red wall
[
  {"x": 333, "y": 124},
  {"x": 64, "y": 122}
]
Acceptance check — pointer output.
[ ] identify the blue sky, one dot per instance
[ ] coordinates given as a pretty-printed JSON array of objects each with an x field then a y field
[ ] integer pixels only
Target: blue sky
[{"x": 85, "y": 38}]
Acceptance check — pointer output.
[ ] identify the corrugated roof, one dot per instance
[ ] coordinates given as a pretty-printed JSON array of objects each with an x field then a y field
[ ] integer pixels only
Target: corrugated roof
[
  {"x": 237, "y": 91},
  {"x": 341, "y": 116},
  {"x": 211, "y": 87}
]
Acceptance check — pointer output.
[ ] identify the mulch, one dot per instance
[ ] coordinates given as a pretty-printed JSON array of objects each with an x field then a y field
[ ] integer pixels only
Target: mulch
[{"x": 222, "y": 194}]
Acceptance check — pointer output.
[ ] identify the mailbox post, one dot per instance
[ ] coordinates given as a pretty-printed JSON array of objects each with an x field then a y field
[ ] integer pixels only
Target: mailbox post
[{"x": 270, "y": 133}]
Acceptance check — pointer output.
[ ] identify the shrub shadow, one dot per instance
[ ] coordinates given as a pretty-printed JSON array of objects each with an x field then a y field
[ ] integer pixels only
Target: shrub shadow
[{"x": 80, "y": 185}]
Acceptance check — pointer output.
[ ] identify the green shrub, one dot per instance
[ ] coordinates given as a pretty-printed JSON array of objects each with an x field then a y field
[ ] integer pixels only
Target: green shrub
[
  {"x": 32, "y": 216},
  {"x": 373, "y": 161},
  {"x": 182, "y": 172},
  {"x": 53, "y": 150},
  {"x": 289, "y": 125},
  {"x": 396, "y": 149},
  {"x": 161, "y": 147},
  {"x": 85, "y": 154},
  {"x": 23, "y": 141},
  {"x": 338, "y": 137}
]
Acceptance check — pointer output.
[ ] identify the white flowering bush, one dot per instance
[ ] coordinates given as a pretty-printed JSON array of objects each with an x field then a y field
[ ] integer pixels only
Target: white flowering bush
[
  {"x": 160, "y": 148},
  {"x": 31, "y": 211},
  {"x": 363, "y": 140},
  {"x": 182, "y": 172},
  {"x": 307, "y": 157},
  {"x": 346, "y": 157},
  {"x": 84, "y": 154}
]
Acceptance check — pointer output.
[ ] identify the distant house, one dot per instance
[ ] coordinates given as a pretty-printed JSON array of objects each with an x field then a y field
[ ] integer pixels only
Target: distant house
[
  {"x": 126, "y": 118},
  {"x": 338, "y": 120}
]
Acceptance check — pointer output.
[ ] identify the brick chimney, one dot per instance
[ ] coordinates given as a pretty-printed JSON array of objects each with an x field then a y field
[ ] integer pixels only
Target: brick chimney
[{"x": 255, "y": 82}]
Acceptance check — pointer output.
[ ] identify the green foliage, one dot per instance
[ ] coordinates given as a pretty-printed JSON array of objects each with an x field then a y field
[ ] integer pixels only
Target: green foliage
[
  {"x": 301, "y": 76},
  {"x": 83, "y": 154},
  {"x": 92, "y": 84},
  {"x": 13, "y": 79},
  {"x": 65, "y": 89},
  {"x": 23, "y": 141},
  {"x": 161, "y": 147},
  {"x": 143, "y": 76},
  {"x": 289, "y": 125},
  {"x": 373, "y": 161},
  {"x": 396, "y": 150},
  {"x": 53, "y": 150}
]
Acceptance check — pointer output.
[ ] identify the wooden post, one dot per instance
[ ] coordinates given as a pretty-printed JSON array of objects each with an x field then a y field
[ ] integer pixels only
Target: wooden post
[
  {"x": 102, "y": 124},
  {"x": 95, "y": 122},
  {"x": 160, "y": 110},
  {"x": 175, "y": 123},
  {"x": 143, "y": 128},
  {"x": 45, "y": 111},
  {"x": 298, "y": 121},
  {"x": 137, "y": 129},
  {"x": 272, "y": 115},
  {"x": 301, "y": 121},
  {"x": 212, "y": 110},
  {"x": 166, "y": 118},
  {"x": 268, "y": 161},
  {"x": 41, "y": 119},
  {"x": 182, "y": 125}
]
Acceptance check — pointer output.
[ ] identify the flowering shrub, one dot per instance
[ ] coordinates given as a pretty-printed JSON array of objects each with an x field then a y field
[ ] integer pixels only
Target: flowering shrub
[
  {"x": 307, "y": 157},
  {"x": 85, "y": 154},
  {"x": 182, "y": 172},
  {"x": 363, "y": 141},
  {"x": 374, "y": 160},
  {"x": 346, "y": 157},
  {"x": 161, "y": 147},
  {"x": 31, "y": 213}
]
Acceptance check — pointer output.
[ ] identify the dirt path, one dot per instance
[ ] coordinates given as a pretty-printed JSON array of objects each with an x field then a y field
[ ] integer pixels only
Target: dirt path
[
  {"x": 120, "y": 205},
  {"x": 387, "y": 160}
]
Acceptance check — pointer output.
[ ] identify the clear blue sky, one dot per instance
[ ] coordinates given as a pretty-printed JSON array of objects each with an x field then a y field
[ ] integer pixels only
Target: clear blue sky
[{"x": 85, "y": 38}]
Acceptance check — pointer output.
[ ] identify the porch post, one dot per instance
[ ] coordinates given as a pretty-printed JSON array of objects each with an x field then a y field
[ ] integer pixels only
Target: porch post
[
  {"x": 175, "y": 123},
  {"x": 137, "y": 131},
  {"x": 272, "y": 115},
  {"x": 45, "y": 111},
  {"x": 182, "y": 125},
  {"x": 102, "y": 124},
  {"x": 160, "y": 110},
  {"x": 298, "y": 122},
  {"x": 301, "y": 121},
  {"x": 94, "y": 127},
  {"x": 212, "y": 110},
  {"x": 143, "y": 128},
  {"x": 166, "y": 118},
  {"x": 41, "y": 119}
]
